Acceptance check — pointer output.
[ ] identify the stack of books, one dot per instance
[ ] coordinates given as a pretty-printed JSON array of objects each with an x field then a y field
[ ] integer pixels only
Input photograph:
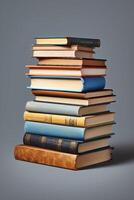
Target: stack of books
[{"x": 68, "y": 124}]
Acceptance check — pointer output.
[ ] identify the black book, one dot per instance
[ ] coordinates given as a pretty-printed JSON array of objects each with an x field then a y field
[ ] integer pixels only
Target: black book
[
  {"x": 68, "y": 41},
  {"x": 66, "y": 145}
]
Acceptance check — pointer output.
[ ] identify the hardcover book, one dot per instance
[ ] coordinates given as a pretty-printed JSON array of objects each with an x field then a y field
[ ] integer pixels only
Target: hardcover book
[
  {"x": 64, "y": 145},
  {"x": 80, "y": 95},
  {"x": 68, "y": 84},
  {"x": 60, "y": 159},
  {"x": 84, "y": 102},
  {"x": 61, "y": 48},
  {"x": 72, "y": 62},
  {"x": 64, "y": 109},
  {"x": 65, "y": 71},
  {"x": 62, "y": 54},
  {"x": 68, "y": 41}
]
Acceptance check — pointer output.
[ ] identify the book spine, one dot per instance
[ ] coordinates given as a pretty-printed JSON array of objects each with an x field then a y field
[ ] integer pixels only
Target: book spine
[
  {"x": 53, "y": 130},
  {"x": 54, "y": 119},
  {"x": 93, "y": 84},
  {"x": 45, "y": 156},
  {"x": 58, "y": 144},
  {"x": 84, "y": 42}
]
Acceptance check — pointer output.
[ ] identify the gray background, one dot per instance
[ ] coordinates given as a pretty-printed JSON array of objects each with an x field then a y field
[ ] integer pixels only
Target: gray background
[{"x": 20, "y": 22}]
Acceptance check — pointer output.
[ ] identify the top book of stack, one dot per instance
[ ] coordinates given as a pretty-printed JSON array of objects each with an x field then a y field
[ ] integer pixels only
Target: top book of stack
[{"x": 68, "y": 41}]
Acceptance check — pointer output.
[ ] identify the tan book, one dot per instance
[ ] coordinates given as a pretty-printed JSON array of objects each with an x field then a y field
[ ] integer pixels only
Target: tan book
[
  {"x": 40, "y": 71},
  {"x": 65, "y": 61},
  {"x": 61, "y": 48},
  {"x": 60, "y": 159},
  {"x": 84, "y": 102},
  {"x": 80, "y": 95},
  {"x": 86, "y": 121},
  {"x": 62, "y": 54}
]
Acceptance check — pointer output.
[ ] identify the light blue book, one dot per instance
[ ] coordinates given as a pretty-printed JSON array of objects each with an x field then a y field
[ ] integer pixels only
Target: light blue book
[
  {"x": 67, "y": 132},
  {"x": 64, "y": 109},
  {"x": 54, "y": 130}
]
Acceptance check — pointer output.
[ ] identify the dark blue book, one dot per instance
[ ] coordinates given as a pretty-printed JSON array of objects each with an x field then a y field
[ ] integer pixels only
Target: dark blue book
[
  {"x": 89, "y": 42},
  {"x": 65, "y": 145},
  {"x": 68, "y": 84}
]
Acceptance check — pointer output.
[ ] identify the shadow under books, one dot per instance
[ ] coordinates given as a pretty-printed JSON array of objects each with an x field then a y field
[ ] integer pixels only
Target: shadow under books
[{"x": 122, "y": 154}]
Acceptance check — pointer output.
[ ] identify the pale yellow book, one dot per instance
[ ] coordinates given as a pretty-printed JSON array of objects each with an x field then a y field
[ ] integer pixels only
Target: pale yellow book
[{"x": 86, "y": 121}]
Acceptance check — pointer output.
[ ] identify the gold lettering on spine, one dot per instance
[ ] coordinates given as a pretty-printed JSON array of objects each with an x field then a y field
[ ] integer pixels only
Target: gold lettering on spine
[
  {"x": 48, "y": 119},
  {"x": 43, "y": 140},
  {"x": 27, "y": 138},
  {"x": 59, "y": 142},
  {"x": 73, "y": 146}
]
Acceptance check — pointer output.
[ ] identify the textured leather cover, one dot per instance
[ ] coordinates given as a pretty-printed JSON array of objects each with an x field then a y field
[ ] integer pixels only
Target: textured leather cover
[
  {"x": 53, "y": 143},
  {"x": 45, "y": 156}
]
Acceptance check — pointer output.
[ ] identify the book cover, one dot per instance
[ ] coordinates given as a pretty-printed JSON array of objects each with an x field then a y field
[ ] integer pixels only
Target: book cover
[
  {"x": 64, "y": 145},
  {"x": 71, "y": 84},
  {"x": 60, "y": 159},
  {"x": 69, "y": 132},
  {"x": 81, "y": 95},
  {"x": 89, "y": 42}
]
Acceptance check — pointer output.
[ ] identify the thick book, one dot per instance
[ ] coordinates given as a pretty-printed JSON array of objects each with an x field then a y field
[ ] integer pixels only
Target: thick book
[
  {"x": 60, "y": 159},
  {"x": 68, "y": 132},
  {"x": 85, "y": 84},
  {"x": 62, "y": 54},
  {"x": 61, "y": 48},
  {"x": 84, "y": 102},
  {"x": 80, "y": 95},
  {"x": 64, "y": 109},
  {"x": 36, "y": 70},
  {"x": 64, "y": 145},
  {"x": 73, "y": 61},
  {"x": 89, "y": 42}
]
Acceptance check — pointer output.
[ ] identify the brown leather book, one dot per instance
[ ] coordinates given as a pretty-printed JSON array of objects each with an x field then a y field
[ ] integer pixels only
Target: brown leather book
[
  {"x": 60, "y": 159},
  {"x": 82, "y": 95}
]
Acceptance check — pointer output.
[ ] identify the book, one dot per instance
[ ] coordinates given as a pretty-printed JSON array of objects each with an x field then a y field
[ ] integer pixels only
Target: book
[
  {"x": 62, "y": 54},
  {"x": 61, "y": 119},
  {"x": 60, "y": 159},
  {"x": 73, "y": 61},
  {"x": 85, "y": 84},
  {"x": 68, "y": 132},
  {"x": 80, "y": 95},
  {"x": 84, "y": 102},
  {"x": 83, "y": 72},
  {"x": 64, "y": 109},
  {"x": 64, "y": 145},
  {"x": 61, "y": 48},
  {"x": 68, "y": 41},
  {"x": 65, "y": 67}
]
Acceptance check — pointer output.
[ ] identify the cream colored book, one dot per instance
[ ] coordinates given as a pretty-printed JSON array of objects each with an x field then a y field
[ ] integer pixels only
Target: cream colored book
[
  {"x": 84, "y": 102},
  {"x": 61, "y": 48},
  {"x": 63, "y": 54}
]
